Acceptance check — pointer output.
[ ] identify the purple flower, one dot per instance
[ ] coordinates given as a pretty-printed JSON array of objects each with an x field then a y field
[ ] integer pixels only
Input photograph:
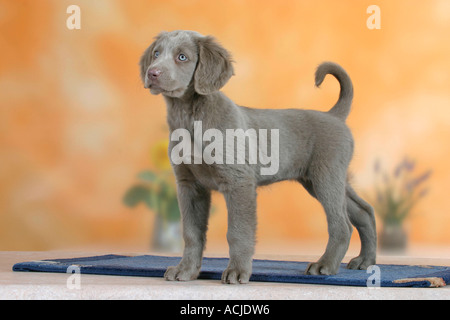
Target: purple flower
[
  {"x": 424, "y": 192},
  {"x": 380, "y": 197},
  {"x": 377, "y": 166},
  {"x": 406, "y": 164},
  {"x": 409, "y": 165},
  {"x": 411, "y": 185}
]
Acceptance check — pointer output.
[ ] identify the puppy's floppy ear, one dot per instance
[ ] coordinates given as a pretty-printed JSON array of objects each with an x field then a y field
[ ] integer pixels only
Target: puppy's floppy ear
[
  {"x": 214, "y": 66},
  {"x": 146, "y": 60},
  {"x": 147, "y": 56}
]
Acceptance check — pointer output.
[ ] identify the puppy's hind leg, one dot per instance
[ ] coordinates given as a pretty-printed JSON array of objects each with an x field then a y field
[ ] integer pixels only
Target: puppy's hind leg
[
  {"x": 330, "y": 191},
  {"x": 362, "y": 217}
]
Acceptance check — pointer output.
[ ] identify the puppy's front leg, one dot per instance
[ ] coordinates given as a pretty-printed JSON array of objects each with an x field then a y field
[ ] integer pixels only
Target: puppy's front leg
[
  {"x": 241, "y": 205},
  {"x": 194, "y": 201}
]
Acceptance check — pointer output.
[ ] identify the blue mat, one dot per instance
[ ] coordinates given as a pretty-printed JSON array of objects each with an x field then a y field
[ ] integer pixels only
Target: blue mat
[{"x": 263, "y": 270}]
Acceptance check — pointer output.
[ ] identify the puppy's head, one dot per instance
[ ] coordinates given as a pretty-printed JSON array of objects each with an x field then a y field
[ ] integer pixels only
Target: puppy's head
[{"x": 178, "y": 60}]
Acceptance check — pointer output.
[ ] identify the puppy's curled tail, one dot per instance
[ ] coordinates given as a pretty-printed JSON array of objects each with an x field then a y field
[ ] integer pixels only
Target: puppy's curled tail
[{"x": 342, "y": 107}]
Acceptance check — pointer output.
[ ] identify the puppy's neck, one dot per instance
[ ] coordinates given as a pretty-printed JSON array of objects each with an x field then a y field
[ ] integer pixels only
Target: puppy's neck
[
  {"x": 188, "y": 96},
  {"x": 183, "y": 111}
]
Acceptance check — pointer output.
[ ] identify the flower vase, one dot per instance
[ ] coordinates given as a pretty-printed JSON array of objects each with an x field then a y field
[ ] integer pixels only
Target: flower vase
[
  {"x": 393, "y": 238},
  {"x": 167, "y": 235}
]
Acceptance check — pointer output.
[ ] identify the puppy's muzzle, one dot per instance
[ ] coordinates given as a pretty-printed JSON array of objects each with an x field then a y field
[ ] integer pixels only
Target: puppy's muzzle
[
  {"x": 153, "y": 73},
  {"x": 152, "y": 76}
]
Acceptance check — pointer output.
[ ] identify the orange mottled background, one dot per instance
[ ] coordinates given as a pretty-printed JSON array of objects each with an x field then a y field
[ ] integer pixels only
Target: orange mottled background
[{"x": 76, "y": 125}]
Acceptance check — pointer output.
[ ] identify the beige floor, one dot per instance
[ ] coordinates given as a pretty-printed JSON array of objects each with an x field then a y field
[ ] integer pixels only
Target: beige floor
[{"x": 20, "y": 285}]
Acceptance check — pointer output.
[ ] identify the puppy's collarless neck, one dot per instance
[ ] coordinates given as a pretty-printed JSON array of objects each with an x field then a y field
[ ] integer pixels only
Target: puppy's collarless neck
[
  {"x": 183, "y": 111},
  {"x": 190, "y": 102}
]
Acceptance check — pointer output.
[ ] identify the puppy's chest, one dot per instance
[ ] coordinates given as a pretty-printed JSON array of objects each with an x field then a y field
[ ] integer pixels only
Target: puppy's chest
[
  {"x": 182, "y": 120},
  {"x": 185, "y": 137},
  {"x": 207, "y": 175},
  {"x": 182, "y": 117}
]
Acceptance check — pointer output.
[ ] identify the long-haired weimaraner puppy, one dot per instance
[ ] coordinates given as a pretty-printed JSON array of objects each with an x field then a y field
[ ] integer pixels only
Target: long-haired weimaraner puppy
[{"x": 311, "y": 147}]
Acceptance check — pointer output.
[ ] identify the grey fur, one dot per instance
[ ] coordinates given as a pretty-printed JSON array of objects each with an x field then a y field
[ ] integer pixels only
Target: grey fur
[{"x": 315, "y": 150}]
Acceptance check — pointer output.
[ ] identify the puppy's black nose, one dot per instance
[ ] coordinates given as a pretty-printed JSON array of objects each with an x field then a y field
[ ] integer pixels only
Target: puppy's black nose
[{"x": 154, "y": 73}]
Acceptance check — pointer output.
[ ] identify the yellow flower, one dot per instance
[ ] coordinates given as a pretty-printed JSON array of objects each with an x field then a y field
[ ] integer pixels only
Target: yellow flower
[{"x": 160, "y": 156}]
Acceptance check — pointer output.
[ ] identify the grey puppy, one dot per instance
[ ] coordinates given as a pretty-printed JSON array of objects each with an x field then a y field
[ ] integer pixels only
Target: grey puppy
[{"x": 315, "y": 149}]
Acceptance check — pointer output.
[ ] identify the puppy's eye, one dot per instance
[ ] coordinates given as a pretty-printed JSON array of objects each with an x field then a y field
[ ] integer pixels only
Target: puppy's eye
[
  {"x": 156, "y": 54},
  {"x": 182, "y": 57}
]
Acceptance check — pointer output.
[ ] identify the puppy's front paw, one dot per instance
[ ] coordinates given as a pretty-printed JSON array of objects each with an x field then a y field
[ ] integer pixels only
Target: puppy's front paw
[
  {"x": 321, "y": 268},
  {"x": 361, "y": 263},
  {"x": 181, "y": 273},
  {"x": 233, "y": 275}
]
